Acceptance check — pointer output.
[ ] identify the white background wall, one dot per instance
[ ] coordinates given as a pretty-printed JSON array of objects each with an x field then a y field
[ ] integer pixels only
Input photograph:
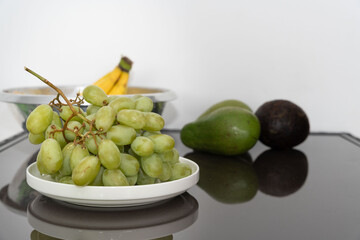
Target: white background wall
[{"x": 206, "y": 51}]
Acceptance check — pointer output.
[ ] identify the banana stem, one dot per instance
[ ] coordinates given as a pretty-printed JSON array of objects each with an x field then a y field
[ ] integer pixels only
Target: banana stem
[{"x": 47, "y": 82}]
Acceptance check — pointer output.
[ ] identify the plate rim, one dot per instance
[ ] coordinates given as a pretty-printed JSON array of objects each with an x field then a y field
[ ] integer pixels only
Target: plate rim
[{"x": 110, "y": 195}]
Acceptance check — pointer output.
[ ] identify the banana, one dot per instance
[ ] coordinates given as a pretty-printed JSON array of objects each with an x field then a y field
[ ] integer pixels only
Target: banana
[
  {"x": 120, "y": 87},
  {"x": 115, "y": 82},
  {"x": 108, "y": 81}
]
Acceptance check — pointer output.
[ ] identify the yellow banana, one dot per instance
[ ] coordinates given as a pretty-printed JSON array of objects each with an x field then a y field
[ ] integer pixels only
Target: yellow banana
[
  {"x": 108, "y": 81},
  {"x": 121, "y": 85}
]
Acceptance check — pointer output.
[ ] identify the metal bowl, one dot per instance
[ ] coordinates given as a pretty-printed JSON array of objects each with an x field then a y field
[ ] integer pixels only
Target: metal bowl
[{"x": 26, "y": 99}]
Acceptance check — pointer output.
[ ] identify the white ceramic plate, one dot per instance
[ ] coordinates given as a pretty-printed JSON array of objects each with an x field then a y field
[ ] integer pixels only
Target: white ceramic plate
[{"x": 121, "y": 196}]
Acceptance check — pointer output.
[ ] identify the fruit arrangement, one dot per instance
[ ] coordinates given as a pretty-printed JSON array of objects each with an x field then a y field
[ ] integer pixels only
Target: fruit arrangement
[
  {"x": 116, "y": 142},
  {"x": 115, "y": 82},
  {"x": 231, "y": 128}
]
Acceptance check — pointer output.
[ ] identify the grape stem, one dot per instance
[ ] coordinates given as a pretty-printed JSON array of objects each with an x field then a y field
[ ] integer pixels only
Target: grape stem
[{"x": 47, "y": 82}]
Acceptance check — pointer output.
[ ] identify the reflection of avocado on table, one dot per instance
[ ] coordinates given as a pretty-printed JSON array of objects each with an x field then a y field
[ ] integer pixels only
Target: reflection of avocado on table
[
  {"x": 281, "y": 172},
  {"x": 226, "y": 179}
]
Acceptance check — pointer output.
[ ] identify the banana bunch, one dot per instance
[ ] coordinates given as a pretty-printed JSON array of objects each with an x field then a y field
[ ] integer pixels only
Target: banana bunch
[{"x": 115, "y": 82}]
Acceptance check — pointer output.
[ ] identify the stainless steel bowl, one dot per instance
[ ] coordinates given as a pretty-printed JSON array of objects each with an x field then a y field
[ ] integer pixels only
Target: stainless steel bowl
[{"x": 27, "y": 98}]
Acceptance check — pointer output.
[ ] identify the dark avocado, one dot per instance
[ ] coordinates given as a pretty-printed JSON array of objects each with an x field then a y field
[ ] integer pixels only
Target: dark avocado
[
  {"x": 283, "y": 124},
  {"x": 226, "y": 179},
  {"x": 281, "y": 172}
]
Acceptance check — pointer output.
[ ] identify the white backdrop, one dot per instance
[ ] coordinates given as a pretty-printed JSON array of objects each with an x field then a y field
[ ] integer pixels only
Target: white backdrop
[{"x": 206, "y": 51}]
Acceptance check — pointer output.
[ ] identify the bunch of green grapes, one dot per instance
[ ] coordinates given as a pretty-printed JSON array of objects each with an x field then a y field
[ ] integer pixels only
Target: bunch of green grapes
[{"x": 116, "y": 142}]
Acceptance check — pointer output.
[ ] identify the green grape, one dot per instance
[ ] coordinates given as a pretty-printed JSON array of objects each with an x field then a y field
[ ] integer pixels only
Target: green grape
[
  {"x": 152, "y": 165},
  {"x": 98, "y": 179},
  {"x": 92, "y": 109},
  {"x": 40, "y": 165},
  {"x": 149, "y": 133},
  {"x": 65, "y": 169},
  {"x": 95, "y": 95},
  {"x": 153, "y": 122},
  {"x": 135, "y": 97},
  {"x": 132, "y": 153},
  {"x": 180, "y": 170},
  {"x": 77, "y": 154},
  {"x": 51, "y": 156},
  {"x": 73, "y": 128},
  {"x": 92, "y": 143},
  {"x": 114, "y": 177},
  {"x": 55, "y": 132},
  {"x": 132, "y": 180},
  {"x": 66, "y": 113},
  {"x": 90, "y": 117},
  {"x": 142, "y": 146},
  {"x": 170, "y": 156},
  {"x": 166, "y": 173},
  {"x": 144, "y": 104},
  {"x": 162, "y": 142},
  {"x": 109, "y": 154},
  {"x": 36, "y": 138},
  {"x": 35, "y": 235},
  {"x": 132, "y": 118},
  {"x": 66, "y": 180},
  {"x": 39, "y": 119},
  {"x": 56, "y": 119},
  {"x": 169, "y": 237},
  {"x": 122, "y": 103},
  {"x": 121, "y": 134},
  {"x": 112, "y": 98},
  {"x": 143, "y": 179},
  {"x": 105, "y": 118},
  {"x": 86, "y": 171},
  {"x": 129, "y": 165}
]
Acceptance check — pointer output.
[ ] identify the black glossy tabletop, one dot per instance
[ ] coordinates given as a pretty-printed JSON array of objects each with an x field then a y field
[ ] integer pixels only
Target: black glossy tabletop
[{"x": 310, "y": 192}]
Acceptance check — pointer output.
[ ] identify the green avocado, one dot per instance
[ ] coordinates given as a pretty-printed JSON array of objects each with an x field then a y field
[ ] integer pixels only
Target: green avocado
[
  {"x": 227, "y": 179},
  {"x": 225, "y": 131},
  {"x": 226, "y": 103}
]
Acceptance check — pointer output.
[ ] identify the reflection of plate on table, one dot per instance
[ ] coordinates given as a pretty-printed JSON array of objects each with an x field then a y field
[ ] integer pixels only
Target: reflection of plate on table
[
  {"x": 68, "y": 221},
  {"x": 18, "y": 194},
  {"x": 121, "y": 196}
]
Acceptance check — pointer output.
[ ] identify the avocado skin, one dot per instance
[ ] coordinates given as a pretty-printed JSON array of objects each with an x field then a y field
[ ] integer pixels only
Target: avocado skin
[
  {"x": 226, "y": 103},
  {"x": 225, "y": 131},
  {"x": 227, "y": 179},
  {"x": 283, "y": 124}
]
